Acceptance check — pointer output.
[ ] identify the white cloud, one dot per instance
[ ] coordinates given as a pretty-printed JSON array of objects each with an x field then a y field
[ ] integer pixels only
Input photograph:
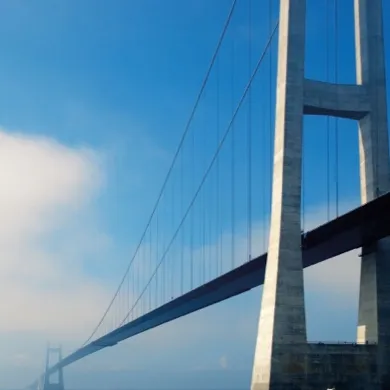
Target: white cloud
[{"x": 45, "y": 193}]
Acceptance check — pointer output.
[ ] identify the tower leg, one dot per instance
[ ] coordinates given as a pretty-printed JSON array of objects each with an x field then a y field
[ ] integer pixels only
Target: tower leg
[
  {"x": 374, "y": 299},
  {"x": 282, "y": 319}
]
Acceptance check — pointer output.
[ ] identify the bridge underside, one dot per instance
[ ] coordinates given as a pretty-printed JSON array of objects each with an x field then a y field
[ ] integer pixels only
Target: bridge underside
[{"x": 362, "y": 226}]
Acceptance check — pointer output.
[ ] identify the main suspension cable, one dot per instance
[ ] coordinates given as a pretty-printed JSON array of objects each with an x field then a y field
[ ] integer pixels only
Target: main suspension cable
[
  {"x": 187, "y": 127},
  {"x": 214, "y": 158}
]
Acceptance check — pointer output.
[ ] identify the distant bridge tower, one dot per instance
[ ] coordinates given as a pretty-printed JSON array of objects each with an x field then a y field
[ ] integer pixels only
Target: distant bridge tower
[
  {"x": 47, "y": 382},
  {"x": 283, "y": 357}
]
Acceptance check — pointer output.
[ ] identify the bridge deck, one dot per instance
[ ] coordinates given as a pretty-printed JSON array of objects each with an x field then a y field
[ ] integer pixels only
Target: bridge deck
[{"x": 360, "y": 227}]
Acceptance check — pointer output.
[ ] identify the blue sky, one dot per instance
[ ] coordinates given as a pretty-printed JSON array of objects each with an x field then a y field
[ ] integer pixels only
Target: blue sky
[{"x": 95, "y": 97}]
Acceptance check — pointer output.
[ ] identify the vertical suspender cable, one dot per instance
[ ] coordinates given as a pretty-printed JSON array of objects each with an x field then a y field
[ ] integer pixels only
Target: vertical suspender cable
[
  {"x": 128, "y": 292},
  {"x": 203, "y": 236},
  {"x": 336, "y": 16},
  {"x": 327, "y": 118},
  {"x": 182, "y": 232},
  {"x": 133, "y": 290},
  {"x": 143, "y": 265},
  {"x": 271, "y": 122},
  {"x": 192, "y": 212},
  {"x": 378, "y": 189},
  {"x": 217, "y": 195},
  {"x": 249, "y": 138},
  {"x": 157, "y": 256},
  {"x": 203, "y": 218},
  {"x": 172, "y": 278},
  {"x": 303, "y": 227},
  {"x": 164, "y": 266},
  {"x": 233, "y": 184},
  {"x": 150, "y": 266}
]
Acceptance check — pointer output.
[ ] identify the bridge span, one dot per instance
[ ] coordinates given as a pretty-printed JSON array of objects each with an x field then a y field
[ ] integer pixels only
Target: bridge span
[{"x": 360, "y": 227}]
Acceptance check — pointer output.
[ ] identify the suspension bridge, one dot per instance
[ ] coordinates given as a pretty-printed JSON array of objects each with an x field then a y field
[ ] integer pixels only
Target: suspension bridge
[{"x": 217, "y": 230}]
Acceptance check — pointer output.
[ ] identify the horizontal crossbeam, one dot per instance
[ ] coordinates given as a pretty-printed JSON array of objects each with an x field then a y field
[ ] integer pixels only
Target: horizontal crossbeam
[{"x": 348, "y": 101}]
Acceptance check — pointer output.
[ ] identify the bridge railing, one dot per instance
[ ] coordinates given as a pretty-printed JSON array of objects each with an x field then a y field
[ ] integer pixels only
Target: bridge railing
[{"x": 343, "y": 342}]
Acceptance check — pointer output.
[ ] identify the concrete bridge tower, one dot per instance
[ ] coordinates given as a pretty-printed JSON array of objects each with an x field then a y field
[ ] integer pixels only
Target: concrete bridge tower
[
  {"x": 47, "y": 381},
  {"x": 283, "y": 357}
]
